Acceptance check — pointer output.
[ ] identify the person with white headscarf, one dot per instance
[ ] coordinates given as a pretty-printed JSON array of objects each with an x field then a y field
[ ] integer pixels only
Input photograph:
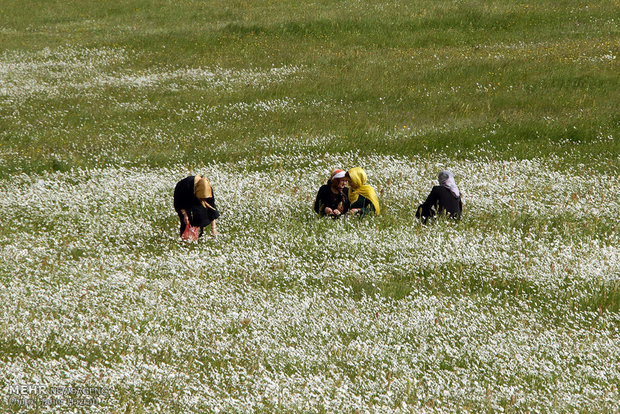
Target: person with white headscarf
[
  {"x": 332, "y": 199},
  {"x": 444, "y": 198}
]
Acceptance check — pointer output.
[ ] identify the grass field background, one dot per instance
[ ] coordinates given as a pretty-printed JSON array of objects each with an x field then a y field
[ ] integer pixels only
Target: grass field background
[{"x": 105, "y": 106}]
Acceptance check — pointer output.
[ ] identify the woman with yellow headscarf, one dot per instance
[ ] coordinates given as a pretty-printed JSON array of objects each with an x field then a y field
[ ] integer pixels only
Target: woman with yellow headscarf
[
  {"x": 362, "y": 196},
  {"x": 195, "y": 204}
]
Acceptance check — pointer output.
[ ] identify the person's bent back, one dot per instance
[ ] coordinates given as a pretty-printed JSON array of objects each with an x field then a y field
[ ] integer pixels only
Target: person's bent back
[
  {"x": 194, "y": 202},
  {"x": 444, "y": 198}
]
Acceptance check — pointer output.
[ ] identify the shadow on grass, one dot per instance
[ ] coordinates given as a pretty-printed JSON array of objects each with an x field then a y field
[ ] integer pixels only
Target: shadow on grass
[{"x": 466, "y": 280}]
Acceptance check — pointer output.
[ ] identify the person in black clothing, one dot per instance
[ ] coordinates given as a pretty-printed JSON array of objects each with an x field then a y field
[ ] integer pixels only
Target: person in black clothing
[
  {"x": 332, "y": 199},
  {"x": 444, "y": 198},
  {"x": 195, "y": 204}
]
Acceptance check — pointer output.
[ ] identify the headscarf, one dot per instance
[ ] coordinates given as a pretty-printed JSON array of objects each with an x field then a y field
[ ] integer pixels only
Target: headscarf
[
  {"x": 446, "y": 179},
  {"x": 337, "y": 174},
  {"x": 359, "y": 187},
  {"x": 202, "y": 190}
]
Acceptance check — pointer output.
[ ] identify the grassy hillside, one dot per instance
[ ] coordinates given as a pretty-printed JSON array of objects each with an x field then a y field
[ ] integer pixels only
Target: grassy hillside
[{"x": 402, "y": 79}]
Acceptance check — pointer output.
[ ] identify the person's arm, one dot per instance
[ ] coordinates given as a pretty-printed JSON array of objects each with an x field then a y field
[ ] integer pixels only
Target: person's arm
[
  {"x": 363, "y": 207},
  {"x": 185, "y": 217},
  {"x": 367, "y": 209},
  {"x": 184, "y": 221}
]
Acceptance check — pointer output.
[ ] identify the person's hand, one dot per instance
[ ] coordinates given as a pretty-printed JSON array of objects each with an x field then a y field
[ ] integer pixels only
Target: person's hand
[
  {"x": 328, "y": 211},
  {"x": 214, "y": 232},
  {"x": 336, "y": 212},
  {"x": 354, "y": 211}
]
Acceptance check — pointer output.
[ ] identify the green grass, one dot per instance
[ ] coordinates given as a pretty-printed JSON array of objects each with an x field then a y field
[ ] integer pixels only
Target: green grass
[{"x": 438, "y": 74}]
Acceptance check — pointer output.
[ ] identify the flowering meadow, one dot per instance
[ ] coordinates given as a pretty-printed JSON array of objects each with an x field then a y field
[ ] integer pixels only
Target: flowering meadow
[{"x": 514, "y": 308}]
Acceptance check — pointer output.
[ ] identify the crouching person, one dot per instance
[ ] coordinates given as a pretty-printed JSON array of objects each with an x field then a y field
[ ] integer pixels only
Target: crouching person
[
  {"x": 332, "y": 199},
  {"x": 195, "y": 204},
  {"x": 363, "y": 197},
  {"x": 444, "y": 198}
]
